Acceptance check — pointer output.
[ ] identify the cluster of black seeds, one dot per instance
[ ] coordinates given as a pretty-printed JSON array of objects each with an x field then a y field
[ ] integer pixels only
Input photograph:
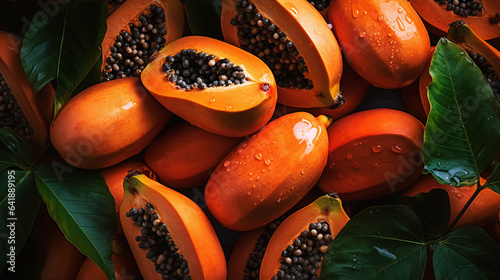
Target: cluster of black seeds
[
  {"x": 11, "y": 114},
  {"x": 155, "y": 237},
  {"x": 252, "y": 267},
  {"x": 488, "y": 72},
  {"x": 261, "y": 37},
  {"x": 115, "y": 2},
  {"x": 131, "y": 51},
  {"x": 190, "y": 69},
  {"x": 320, "y": 5},
  {"x": 301, "y": 260},
  {"x": 462, "y": 8}
]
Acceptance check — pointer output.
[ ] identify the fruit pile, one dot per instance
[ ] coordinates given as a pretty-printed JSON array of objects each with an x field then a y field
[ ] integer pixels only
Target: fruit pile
[{"x": 257, "y": 139}]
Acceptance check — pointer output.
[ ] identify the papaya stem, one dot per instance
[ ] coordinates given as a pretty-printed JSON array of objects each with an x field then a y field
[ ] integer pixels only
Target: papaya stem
[{"x": 466, "y": 206}]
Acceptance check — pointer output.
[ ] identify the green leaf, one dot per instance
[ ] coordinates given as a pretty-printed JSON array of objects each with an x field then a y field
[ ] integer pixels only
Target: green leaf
[
  {"x": 92, "y": 78},
  {"x": 64, "y": 46},
  {"x": 467, "y": 253},
  {"x": 18, "y": 209},
  {"x": 463, "y": 127},
  {"x": 381, "y": 242},
  {"x": 81, "y": 204},
  {"x": 432, "y": 209},
  {"x": 14, "y": 151},
  {"x": 203, "y": 17},
  {"x": 494, "y": 180}
]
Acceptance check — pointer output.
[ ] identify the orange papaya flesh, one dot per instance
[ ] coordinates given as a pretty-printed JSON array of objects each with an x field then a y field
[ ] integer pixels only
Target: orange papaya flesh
[
  {"x": 305, "y": 235},
  {"x": 150, "y": 213}
]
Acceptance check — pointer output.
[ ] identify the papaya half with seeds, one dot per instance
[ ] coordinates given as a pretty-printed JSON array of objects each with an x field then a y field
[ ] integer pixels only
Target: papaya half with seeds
[
  {"x": 26, "y": 113},
  {"x": 107, "y": 123},
  {"x": 114, "y": 176},
  {"x": 135, "y": 32},
  {"x": 483, "y": 210},
  {"x": 373, "y": 153},
  {"x": 485, "y": 21},
  {"x": 385, "y": 42},
  {"x": 184, "y": 155},
  {"x": 213, "y": 85},
  {"x": 249, "y": 188},
  {"x": 174, "y": 238},
  {"x": 294, "y": 40},
  {"x": 305, "y": 235}
]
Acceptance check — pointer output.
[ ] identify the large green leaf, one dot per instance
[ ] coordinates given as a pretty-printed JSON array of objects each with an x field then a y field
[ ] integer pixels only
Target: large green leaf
[
  {"x": 204, "y": 17},
  {"x": 467, "y": 253},
  {"x": 18, "y": 209},
  {"x": 14, "y": 152},
  {"x": 463, "y": 127},
  {"x": 381, "y": 242},
  {"x": 64, "y": 46},
  {"x": 81, "y": 204},
  {"x": 432, "y": 209},
  {"x": 494, "y": 180}
]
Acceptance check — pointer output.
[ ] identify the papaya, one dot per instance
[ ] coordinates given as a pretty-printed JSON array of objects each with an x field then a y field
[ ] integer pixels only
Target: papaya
[
  {"x": 114, "y": 4},
  {"x": 410, "y": 95},
  {"x": 482, "y": 16},
  {"x": 26, "y": 113},
  {"x": 107, "y": 123},
  {"x": 354, "y": 90},
  {"x": 372, "y": 153},
  {"x": 213, "y": 85},
  {"x": 302, "y": 239},
  {"x": 123, "y": 263},
  {"x": 483, "y": 210},
  {"x": 136, "y": 30},
  {"x": 184, "y": 155},
  {"x": 114, "y": 176},
  {"x": 169, "y": 234},
  {"x": 385, "y": 42},
  {"x": 249, "y": 188},
  {"x": 294, "y": 40}
]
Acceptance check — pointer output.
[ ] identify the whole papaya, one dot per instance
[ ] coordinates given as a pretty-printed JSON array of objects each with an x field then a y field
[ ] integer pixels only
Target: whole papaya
[{"x": 269, "y": 172}]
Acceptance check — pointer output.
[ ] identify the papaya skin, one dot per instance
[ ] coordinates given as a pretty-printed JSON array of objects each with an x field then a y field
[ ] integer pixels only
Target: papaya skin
[
  {"x": 249, "y": 188},
  {"x": 386, "y": 43},
  {"x": 38, "y": 108},
  {"x": 324, "y": 209},
  {"x": 483, "y": 210},
  {"x": 244, "y": 246},
  {"x": 122, "y": 118},
  {"x": 233, "y": 111},
  {"x": 114, "y": 176},
  {"x": 184, "y": 155},
  {"x": 384, "y": 143},
  {"x": 438, "y": 18},
  {"x": 318, "y": 46},
  {"x": 188, "y": 225},
  {"x": 129, "y": 12}
]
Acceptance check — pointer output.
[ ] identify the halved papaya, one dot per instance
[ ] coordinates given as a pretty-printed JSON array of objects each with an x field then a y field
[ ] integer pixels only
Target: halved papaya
[
  {"x": 184, "y": 155},
  {"x": 304, "y": 235},
  {"x": 373, "y": 153},
  {"x": 168, "y": 233},
  {"x": 136, "y": 30},
  {"x": 107, "y": 123},
  {"x": 486, "y": 22},
  {"x": 293, "y": 39},
  {"x": 27, "y": 113},
  {"x": 269, "y": 172},
  {"x": 385, "y": 42},
  {"x": 213, "y": 85}
]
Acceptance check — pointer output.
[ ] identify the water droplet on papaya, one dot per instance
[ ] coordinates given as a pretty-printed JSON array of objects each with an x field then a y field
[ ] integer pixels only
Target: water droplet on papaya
[
  {"x": 263, "y": 170},
  {"x": 376, "y": 164},
  {"x": 459, "y": 195},
  {"x": 408, "y": 19},
  {"x": 212, "y": 100},
  {"x": 267, "y": 161},
  {"x": 400, "y": 10},
  {"x": 389, "y": 34},
  {"x": 401, "y": 25},
  {"x": 396, "y": 149},
  {"x": 226, "y": 163},
  {"x": 348, "y": 157},
  {"x": 365, "y": 12},
  {"x": 292, "y": 8},
  {"x": 247, "y": 156},
  {"x": 355, "y": 13},
  {"x": 362, "y": 34},
  {"x": 269, "y": 168},
  {"x": 331, "y": 165},
  {"x": 376, "y": 149},
  {"x": 258, "y": 156},
  {"x": 249, "y": 193},
  {"x": 258, "y": 178},
  {"x": 255, "y": 203},
  {"x": 212, "y": 194},
  {"x": 240, "y": 150},
  {"x": 253, "y": 187},
  {"x": 229, "y": 107},
  {"x": 380, "y": 18},
  {"x": 228, "y": 169}
]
